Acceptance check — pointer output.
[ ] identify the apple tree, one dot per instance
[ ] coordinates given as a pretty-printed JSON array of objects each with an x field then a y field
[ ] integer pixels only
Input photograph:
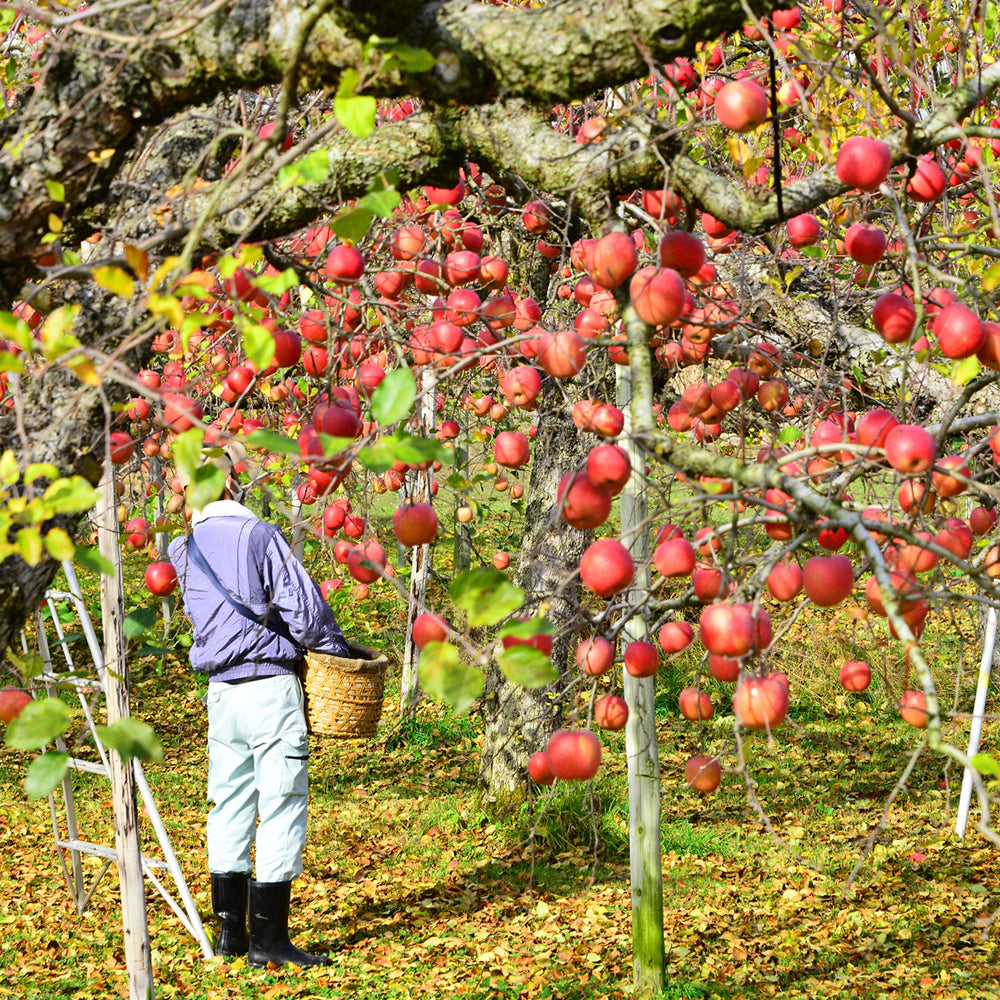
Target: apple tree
[{"x": 739, "y": 272}]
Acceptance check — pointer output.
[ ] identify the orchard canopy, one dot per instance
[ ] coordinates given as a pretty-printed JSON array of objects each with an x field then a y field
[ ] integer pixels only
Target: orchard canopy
[{"x": 277, "y": 219}]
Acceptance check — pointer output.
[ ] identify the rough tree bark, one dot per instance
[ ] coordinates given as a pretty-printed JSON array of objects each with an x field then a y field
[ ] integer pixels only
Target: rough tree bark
[{"x": 520, "y": 720}]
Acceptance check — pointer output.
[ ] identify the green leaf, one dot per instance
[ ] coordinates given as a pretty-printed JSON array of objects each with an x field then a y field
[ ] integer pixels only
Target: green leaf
[
  {"x": 403, "y": 447},
  {"x": 274, "y": 441},
  {"x": 381, "y": 203},
  {"x": 90, "y": 558},
  {"x": 139, "y": 622},
  {"x": 356, "y": 114},
  {"x": 40, "y": 723},
  {"x": 789, "y": 434},
  {"x": 486, "y": 595},
  {"x": 527, "y": 666},
  {"x": 9, "y": 472},
  {"x": 58, "y": 544},
  {"x": 393, "y": 398},
  {"x": 205, "y": 485},
  {"x": 985, "y": 764},
  {"x": 186, "y": 451},
  {"x": 965, "y": 370},
  {"x": 27, "y": 666},
  {"x": 413, "y": 60},
  {"x": 56, "y": 189},
  {"x": 442, "y": 675},
  {"x": 526, "y": 629},
  {"x": 40, "y": 470},
  {"x": 352, "y": 225},
  {"x": 29, "y": 545},
  {"x": 312, "y": 168},
  {"x": 11, "y": 362},
  {"x": 277, "y": 284},
  {"x": 70, "y": 495},
  {"x": 258, "y": 343},
  {"x": 14, "y": 328},
  {"x": 131, "y": 738},
  {"x": 45, "y": 773},
  {"x": 115, "y": 280}
]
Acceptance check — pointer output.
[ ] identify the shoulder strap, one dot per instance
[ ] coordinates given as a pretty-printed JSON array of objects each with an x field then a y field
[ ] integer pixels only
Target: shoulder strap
[{"x": 198, "y": 558}]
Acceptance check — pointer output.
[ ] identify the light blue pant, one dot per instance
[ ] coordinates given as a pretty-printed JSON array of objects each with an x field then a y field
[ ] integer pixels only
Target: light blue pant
[{"x": 258, "y": 755}]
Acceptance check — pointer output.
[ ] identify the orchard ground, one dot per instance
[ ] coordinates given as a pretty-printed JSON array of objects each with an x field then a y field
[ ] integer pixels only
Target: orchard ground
[{"x": 415, "y": 892}]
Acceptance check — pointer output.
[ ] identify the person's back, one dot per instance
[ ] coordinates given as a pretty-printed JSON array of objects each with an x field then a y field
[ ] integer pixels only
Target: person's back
[{"x": 254, "y": 610}]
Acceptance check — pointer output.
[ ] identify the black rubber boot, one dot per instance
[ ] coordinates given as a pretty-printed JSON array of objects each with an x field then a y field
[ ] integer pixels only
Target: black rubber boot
[
  {"x": 229, "y": 901},
  {"x": 269, "y": 902}
]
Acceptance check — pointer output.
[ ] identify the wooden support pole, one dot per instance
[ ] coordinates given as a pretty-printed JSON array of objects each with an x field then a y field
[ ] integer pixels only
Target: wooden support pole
[{"x": 138, "y": 961}]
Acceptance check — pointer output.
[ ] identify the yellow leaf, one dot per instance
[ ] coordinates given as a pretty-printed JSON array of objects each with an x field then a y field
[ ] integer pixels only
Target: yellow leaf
[
  {"x": 29, "y": 545},
  {"x": 104, "y": 154},
  {"x": 58, "y": 544},
  {"x": 115, "y": 280},
  {"x": 138, "y": 260},
  {"x": 167, "y": 305},
  {"x": 55, "y": 223},
  {"x": 169, "y": 265},
  {"x": 738, "y": 149},
  {"x": 83, "y": 368}
]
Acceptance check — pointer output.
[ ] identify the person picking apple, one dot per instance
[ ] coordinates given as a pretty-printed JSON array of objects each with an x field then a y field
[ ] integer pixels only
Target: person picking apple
[{"x": 254, "y": 610}]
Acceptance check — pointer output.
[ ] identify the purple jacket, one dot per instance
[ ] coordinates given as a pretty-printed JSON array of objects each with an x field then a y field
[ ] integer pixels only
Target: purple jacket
[{"x": 254, "y": 562}]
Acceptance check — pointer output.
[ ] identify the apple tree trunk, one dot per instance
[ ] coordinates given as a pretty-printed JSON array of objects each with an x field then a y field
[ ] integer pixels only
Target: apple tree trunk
[{"x": 519, "y": 721}]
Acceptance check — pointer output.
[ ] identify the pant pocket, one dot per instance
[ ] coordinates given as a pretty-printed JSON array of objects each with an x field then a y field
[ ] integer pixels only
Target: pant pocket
[{"x": 294, "y": 772}]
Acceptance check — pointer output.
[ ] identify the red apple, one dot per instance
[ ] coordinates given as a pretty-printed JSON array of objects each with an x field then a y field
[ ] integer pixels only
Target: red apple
[
  {"x": 608, "y": 467},
  {"x": 675, "y": 557},
  {"x": 928, "y": 181},
  {"x": 803, "y": 230},
  {"x": 606, "y": 567},
  {"x": 415, "y": 524},
  {"x": 785, "y": 581},
  {"x": 893, "y": 317},
  {"x": 641, "y": 658},
  {"x": 429, "y": 628},
  {"x": 727, "y": 629},
  {"x": 873, "y": 428},
  {"x": 959, "y": 331},
  {"x": 702, "y": 773},
  {"x": 13, "y": 702},
  {"x": 695, "y": 705},
  {"x": 723, "y": 668},
  {"x": 741, "y": 105},
  {"x": 675, "y": 636},
  {"x": 595, "y": 656},
  {"x": 863, "y": 163},
  {"x": 683, "y": 252},
  {"x": 511, "y": 449},
  {"x": 761, "y": 702},
  {"x": 657, "y": 295},
  {"x": 366, "y": 563},
  {"x": 982, "y": 520},
  {"x": 913, "y": 708},
  {"x": 910, "y": 449},
  {"x": 864, "y": 243},
  {"x": 611, "y": 712},
  {"x": 855, "y": 675},
  {"x": 161, "y": 578},
  {"x": 828, "y": 580},
  {"x": 581, "y": 503},
  {"x": 344, "y": 265},
  {"x": 612, "y": 260},
  {"x": 539, "y": 769},
  {"x": 574, "y": 754}
]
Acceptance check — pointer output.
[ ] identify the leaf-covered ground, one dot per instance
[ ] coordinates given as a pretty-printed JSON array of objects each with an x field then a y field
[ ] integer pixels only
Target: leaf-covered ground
[{"x": 415, "y": 892}]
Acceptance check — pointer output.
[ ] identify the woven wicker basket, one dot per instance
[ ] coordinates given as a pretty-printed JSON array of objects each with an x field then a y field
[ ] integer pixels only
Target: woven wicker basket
[{"x": 344, "y": 693}]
